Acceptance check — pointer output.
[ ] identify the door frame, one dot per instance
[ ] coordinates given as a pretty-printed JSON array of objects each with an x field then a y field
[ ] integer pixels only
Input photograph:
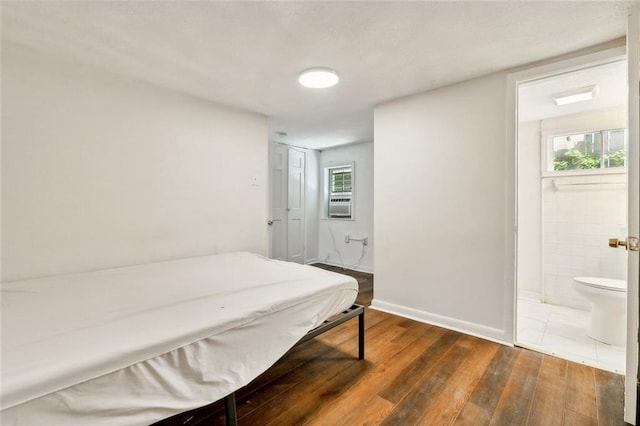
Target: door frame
[
  {"x": 632, "y": 382},
  {"x": 511, "y": 235}
]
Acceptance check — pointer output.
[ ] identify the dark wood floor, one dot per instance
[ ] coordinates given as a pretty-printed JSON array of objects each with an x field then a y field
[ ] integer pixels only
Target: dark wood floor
[{"x": 418, "y": 374}]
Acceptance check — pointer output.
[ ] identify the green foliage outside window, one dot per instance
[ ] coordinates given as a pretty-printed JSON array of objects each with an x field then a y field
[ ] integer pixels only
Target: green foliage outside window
[
  {"x": 594, "y": 150},
  {"x": 575, "y": 159},
  {"x": 615, "y": 159}
]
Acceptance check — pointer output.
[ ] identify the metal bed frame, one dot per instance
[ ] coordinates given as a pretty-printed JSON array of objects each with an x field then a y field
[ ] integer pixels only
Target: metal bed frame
[{"x": 230, "y": 412}]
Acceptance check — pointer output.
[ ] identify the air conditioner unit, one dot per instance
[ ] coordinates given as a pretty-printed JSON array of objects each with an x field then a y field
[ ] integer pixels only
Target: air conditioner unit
[{"x": 340, "y": 207}]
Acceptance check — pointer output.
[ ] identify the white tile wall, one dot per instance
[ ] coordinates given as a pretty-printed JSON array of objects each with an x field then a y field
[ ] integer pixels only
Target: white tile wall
[{"x": 577, "y": 223}]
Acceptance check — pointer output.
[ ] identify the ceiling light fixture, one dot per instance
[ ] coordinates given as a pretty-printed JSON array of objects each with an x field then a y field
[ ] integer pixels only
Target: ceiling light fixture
[
  {"x": 318, "y": 78},
  {"x": 576, "y": 95}
]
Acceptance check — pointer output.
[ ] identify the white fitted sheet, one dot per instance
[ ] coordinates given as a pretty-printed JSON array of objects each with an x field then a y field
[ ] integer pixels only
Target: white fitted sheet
[{"x": 137, "y": 344}]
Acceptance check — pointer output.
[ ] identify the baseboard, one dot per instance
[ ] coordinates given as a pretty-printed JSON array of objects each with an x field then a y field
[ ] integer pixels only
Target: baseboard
[
  {"x": 477, "y": 330},
  {"x": 326, "y": 262},
  {"x": 529, "y": 295}
]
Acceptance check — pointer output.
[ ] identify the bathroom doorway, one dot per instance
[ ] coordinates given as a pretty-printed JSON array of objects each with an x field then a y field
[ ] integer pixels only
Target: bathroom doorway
[{"x": 572, "y": 191}]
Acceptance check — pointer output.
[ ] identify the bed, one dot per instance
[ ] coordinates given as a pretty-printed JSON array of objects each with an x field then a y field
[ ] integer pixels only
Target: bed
[{"x": 138, "y": 344}]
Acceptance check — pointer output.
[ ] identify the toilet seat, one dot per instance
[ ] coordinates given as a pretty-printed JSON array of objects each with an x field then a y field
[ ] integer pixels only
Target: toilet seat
[{"x": 603, "y": 283}]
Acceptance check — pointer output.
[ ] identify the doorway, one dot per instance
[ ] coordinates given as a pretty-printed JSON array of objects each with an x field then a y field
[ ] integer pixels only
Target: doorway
[
  {"x": 633, "y": 183},
  {"x": 287, "y": 203},
  {"x": 572, "y": 197}
]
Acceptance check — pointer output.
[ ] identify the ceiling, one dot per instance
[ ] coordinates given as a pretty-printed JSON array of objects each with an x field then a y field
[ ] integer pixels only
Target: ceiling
[
  {"x": 248, "y": 54},
  {"x": 536, "y": 99}
]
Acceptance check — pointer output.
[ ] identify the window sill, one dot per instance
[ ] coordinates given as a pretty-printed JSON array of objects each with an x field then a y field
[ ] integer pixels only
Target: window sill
[{"x": 585, "y": 172}]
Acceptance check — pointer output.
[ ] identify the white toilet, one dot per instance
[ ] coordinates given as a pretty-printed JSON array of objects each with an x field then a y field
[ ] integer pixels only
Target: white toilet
[{"x": 608, "y": 298}]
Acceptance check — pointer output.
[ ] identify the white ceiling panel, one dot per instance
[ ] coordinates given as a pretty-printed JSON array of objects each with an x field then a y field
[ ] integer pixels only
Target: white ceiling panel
[{"x": 248, "y": 54}]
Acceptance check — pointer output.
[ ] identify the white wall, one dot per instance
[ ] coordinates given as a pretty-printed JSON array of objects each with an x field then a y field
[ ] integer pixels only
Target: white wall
[
  {"x": 440, "y": 206},
  {"x": 529, "y": 268},
  {"x": 100, "y": 171},
  {"x": 362, "y": 225}
]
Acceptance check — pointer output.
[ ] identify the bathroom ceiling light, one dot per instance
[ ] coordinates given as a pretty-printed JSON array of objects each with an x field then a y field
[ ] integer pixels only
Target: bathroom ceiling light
[
  {"x": 576, "y": 95},
  {"x": 318, "y": 78}
]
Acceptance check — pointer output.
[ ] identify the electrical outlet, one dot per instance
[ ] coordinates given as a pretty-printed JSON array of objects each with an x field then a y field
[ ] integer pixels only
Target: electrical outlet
[
  {"x": 347, "y": 238},
  {"x": 365, "y": 241}
]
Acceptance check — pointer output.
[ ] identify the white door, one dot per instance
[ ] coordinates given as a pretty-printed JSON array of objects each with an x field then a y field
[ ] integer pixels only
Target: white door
[
  {"x": 633, "y": 274},
  {"x": 295, "y": 220},
  {"x": 278, "y": 221}
]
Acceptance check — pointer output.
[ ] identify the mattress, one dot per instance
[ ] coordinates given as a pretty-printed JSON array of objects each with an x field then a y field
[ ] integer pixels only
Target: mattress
[{"x": 137, "y": 344}]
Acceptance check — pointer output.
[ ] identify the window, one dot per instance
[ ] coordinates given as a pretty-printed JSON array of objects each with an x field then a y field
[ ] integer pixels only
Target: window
[
  {"x": 603, "y": 149},
  {"x": 339, "y": 181}
]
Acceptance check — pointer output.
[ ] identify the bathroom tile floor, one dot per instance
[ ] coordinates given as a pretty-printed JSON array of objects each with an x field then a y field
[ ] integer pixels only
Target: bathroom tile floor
[{"x": 562, "y": 331}]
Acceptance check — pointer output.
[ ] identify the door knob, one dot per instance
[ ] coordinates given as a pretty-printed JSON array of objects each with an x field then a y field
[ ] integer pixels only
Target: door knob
[
  {"x": 614, "y": 243},
  {"x": 631, "y": 243},
  {"x": 270, "y": 222}
]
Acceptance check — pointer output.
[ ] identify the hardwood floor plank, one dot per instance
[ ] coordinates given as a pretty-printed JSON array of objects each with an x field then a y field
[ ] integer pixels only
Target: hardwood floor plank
[
  {"x": 411, "y": 407},
  {"x": 379, "y": 353},
  {"x": 403, "y": 382},
  {"x": 258, "y": 398},
  {"x": 444, "y": 408},
  {"x": 548, "y": 400},
  {"x": 266, "y": 401},
  {"x": 515, "y": 400},
  {"x": 371, "y": 414},
  {"x": 487, "y": 393},
  {"x": 609, "y": 398},
  {"x": 581, "y": 390},
  {"x": 571, "y": 418},
  {"x": 301, "y": 407},
  {"x": 331, "y": 373},
  {"x": 338, "y": 378},
  {"x": 362, "y": 393},
  {"x": 305, "y": 384},
  {"x": 291, "y": 368},
  {"x": 472, "y": 415},
  {"x": 417, "y": 331}
]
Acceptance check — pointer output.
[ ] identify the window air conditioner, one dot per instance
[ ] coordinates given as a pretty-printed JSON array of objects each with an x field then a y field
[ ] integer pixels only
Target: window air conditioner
[{"x": 340, "y": 207}]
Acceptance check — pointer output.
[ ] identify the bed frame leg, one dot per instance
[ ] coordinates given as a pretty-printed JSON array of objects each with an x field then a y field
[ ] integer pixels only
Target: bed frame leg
[
  {"x": 361, "y": 335},
  {"x": 230, "y": 413}
]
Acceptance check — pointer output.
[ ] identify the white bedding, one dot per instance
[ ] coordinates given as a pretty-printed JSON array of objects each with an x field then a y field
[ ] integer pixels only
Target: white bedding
[{"x": 137, "y": 344}]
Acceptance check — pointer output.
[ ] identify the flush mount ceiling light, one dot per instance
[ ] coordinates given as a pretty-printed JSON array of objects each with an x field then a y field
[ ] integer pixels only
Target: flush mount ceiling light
[
  {"x": 576, "y": 95},
  {"x": 318, "y": 78}
]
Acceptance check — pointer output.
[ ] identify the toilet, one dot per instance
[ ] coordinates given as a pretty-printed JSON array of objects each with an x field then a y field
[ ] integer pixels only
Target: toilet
[{"x": 608, "y": 299}]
